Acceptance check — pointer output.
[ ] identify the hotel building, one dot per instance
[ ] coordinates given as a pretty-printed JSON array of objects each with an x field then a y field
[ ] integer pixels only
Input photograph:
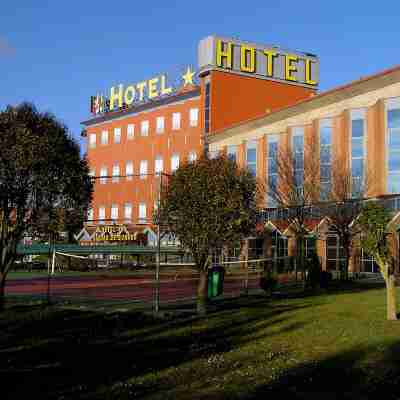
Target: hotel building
[
  {"x": 140, "y": 130},
  {"x": 357, "y": 124}
]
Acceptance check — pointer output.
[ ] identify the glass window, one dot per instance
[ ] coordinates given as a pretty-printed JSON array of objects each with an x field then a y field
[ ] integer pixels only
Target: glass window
[
  {"x": 272, "y": 168},
  {"x": 207, "y": 108},
  {"x": 325, "y": 136},
  {"x": 90, "y": 214},
  {"x": 144, "y": 128},
  {"x": 174, "y": 162},
  {"x": 102, "y": 214},
  {"x": 158, "y": 165},
  {"x": 357, "y": 144},
  {"x": 194, "y": 116},
  {"x": 393, "y": 144},
  {"x": 92, "y": 140},
  {"x": 231, "y": 152},
  {"x": 298, "y": 156},
  {"x": 128, "y": 212},
  {"x": 115, "y": 173},
  {"x": 142, "y": 213},
  {"x": 192, "y": 156},
  {"x": 103, "y": 175},
  {"x": 104, "y": 137},
  {"x": 160, "y": 124},
  {"x": 114, "y": 212},
  {"x": 143, "y": 169},
  {"x": 129, "y": 170},
  {"x": 176, "y": 121},
  {"x": 251, "y": 156},
  {"x": 130, "y": 131},
  {"x": 117, "y": 135}
]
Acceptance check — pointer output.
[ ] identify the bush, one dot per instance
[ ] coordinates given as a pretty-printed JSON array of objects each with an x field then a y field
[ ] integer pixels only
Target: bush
[
  {"x": 326, "y": 278},
  {"x": 314, "y": 271},
  {"x": 268, "y": 283}
]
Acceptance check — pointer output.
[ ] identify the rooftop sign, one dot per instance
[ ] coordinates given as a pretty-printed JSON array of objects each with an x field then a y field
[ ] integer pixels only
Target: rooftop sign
[
  {"x": 265, "y": 62},
  {"x": 121, "y": 97}
]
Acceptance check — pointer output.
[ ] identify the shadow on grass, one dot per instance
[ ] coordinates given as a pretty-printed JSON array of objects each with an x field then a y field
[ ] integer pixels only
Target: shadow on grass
[
  {"x": 344, "y": 376},
  {"x": 47, "y": 353}
]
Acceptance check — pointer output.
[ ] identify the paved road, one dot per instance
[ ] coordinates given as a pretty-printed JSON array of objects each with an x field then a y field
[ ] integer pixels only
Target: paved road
[{"x": 137, "y": 288}]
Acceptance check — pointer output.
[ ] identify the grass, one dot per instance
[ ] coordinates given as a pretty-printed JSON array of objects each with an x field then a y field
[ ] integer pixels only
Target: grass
[{"x": 332, "y": 345}]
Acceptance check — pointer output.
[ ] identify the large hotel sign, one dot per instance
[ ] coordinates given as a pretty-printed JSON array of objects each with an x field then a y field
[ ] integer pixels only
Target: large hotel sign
[
  {"x": 126, "y": 96},
  {"x": 265, "y": 62}
]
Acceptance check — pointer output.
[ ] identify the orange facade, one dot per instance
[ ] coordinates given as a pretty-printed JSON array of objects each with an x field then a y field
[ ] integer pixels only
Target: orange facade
[{"x": 237, "y": 98}]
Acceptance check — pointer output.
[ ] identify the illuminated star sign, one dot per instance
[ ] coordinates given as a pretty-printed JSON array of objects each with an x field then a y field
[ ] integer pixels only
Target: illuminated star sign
[{"x": 188, "y": 77}]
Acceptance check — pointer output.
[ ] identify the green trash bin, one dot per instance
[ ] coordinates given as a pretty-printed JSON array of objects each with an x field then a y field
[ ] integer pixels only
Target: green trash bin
[{"x": 215, "y": 281}]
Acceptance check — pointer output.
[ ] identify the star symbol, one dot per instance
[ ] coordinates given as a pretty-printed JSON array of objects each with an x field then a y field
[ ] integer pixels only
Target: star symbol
[{"x": 188, "y": 77}]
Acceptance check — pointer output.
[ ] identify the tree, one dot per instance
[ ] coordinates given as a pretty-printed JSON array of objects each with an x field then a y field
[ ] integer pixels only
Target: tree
[
  {"x": 297, "y": 187},
  {"x": 209, "y": 204},
  {"x": 42, "y": 176},
  {"x": 346, "y": 198},
  {"x": 374, "y": 220}
]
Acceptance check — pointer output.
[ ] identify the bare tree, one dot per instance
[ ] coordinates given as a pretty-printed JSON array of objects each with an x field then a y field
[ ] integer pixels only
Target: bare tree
[
  {"x": 297, "y": 186},
  {"x": 345, "y": 200}
]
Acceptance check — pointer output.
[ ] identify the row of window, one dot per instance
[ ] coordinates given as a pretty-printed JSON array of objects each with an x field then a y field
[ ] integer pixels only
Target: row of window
[
  {"x": 143, "y": 168},
  {"x": 357, "y": 143},
  {"x": 115, "y": 215},
  {"x": 145, "y": 128}
]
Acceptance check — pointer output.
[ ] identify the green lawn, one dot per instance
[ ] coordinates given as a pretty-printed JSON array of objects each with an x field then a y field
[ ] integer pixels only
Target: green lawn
[{"x": 330, "y": 346}]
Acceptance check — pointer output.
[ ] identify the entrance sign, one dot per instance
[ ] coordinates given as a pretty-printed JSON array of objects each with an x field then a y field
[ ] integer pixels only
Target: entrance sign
[
  {"x": 265, "y": 62},
  {"x": 113, "y": 233}
]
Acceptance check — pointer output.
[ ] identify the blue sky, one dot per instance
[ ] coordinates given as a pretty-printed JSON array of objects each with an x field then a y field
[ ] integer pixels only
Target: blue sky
[{"x": 58, "y": 53}]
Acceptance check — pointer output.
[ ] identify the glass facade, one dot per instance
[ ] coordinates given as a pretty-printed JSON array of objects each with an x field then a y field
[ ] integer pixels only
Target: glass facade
[
  {"x": 298, "y": 156},
  {"x": 325, "y": 143},
  {"x": 393, "y": 144},
  {"x": 357, "y": 146},
  {"x": 272, "y": 165},
  {"x": 251, "y": 156},
  {"x": 231, "y": 152}
]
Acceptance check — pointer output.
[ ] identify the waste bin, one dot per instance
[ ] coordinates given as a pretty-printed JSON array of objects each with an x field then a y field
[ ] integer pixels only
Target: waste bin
[{"x": 215, "y": 281}]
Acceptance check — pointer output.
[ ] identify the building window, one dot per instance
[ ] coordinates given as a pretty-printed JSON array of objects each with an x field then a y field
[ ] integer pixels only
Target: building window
[
  {"x": 213, "y": 154},
  {"x": 144, "y": 128},
  {"x": 158, "y": 165},
  {"x": 115, "y": 173},
  {"x": 104, "y": 137},
  {"x": 357, "y": 146},
  {"x": 298, "y": 157},
  {"x": 231, "y": 152},
  {"x": 92, "y": 140},
  {"x": 251, "y": 156},
  {"x": 194, "y": 116},
  {"x": 207, "y": 108},
  {"x": 160, "y": 124},
  {"x": 143, "y": 169},
  {"x": 130, "y": 131},
  {"x": 128, "y": 212},
  {"x": 102, "y": 214},
  {"x": 192, "y": 157},
  {"x": 114, "y": 212},
  {"x": 174, "y": 162},
  {"x": 142, "y": 213},
  {"x": 129, "y": 170},
  {"x": 103, "y": 175},
  {"x": 272, "y": 165},
  {"x": 176, "y": 121},
  {"x": 90, "y": 214},
  {"x": 117, "y": 135},
  {"x": 393, "y": 144},
  {"x": 325, "y": 142}
]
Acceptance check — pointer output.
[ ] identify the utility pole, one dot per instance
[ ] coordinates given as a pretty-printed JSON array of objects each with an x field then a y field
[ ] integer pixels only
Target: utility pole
[{"x": 158, "y": 255}]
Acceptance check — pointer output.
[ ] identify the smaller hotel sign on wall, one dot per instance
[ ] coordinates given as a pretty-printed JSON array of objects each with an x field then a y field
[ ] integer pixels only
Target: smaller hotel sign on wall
[{"x": 265, "y": 62}]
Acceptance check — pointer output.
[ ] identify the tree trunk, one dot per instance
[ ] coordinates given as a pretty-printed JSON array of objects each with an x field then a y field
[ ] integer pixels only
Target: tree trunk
[
  {"x": 202, "y": 292},
  {"x": 391, "y": 304},
  {"x": 2, "y": 290}
]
